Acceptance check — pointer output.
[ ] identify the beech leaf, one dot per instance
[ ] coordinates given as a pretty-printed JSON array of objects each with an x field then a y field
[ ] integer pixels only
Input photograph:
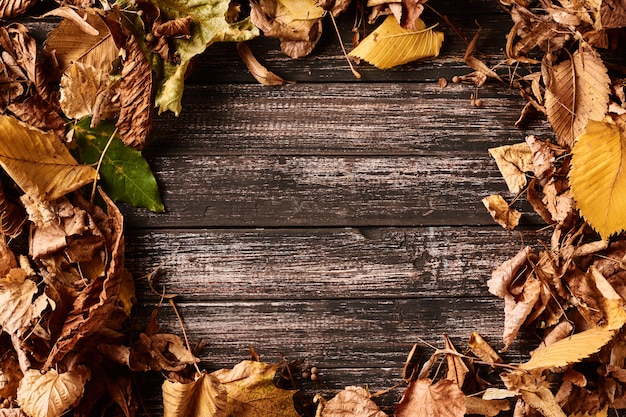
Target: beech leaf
[
  {"x": 571, "y": 349},
  {"x": 70, "y": 43},
  {"x": 204, "y": 397},
  {"x": 390, "y": 45},
  {"x": 578, "y": 91},
  {"x": 251, "y": 391},
  {"x": 39, "y": 162},
  {"x": 598, "y": 176},
  {"x": 125, "y": 174},
  {"x": 351, "y": 402},
  {"x": 423, "y": 399},
  {"x": 50, "y": 394}
]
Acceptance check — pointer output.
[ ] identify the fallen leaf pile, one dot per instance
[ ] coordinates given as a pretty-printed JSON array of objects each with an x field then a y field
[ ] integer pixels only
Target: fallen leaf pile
[{"x": 79, "y": 113}]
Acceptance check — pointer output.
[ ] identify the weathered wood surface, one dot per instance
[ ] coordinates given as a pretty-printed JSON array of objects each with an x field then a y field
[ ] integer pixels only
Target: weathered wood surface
[{"x": 335, "y": 221}]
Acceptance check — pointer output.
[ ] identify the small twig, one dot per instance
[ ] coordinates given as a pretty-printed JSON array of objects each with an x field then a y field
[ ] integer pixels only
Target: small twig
[
  {"x": 355, "y": 72},
  {"x": 104, "y": 151},
  {"x": 182, "y": 326}
]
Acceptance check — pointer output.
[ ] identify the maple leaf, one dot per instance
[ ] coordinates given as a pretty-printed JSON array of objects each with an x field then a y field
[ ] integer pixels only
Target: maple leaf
[
  {"x": 39, "y": 162},
  {"x": 422, "y": 398},
  {"x": 513, "y": 162},
  {"x": 297, "y": 23},
  {"x": 501, "y": 212},
  {"x": 251, "y": 390},
  {"x": 203, "y": 397},
  {"x": 72, "y": 41},
  {"x": 578, "y": 91},
  {"x": 124, "y": 174},
  {"x": 50, "y": 394},
  {"x": 390, "y": 45},
  {"x": 598, "y": 176},
  {"x": 351, "y": 402}
]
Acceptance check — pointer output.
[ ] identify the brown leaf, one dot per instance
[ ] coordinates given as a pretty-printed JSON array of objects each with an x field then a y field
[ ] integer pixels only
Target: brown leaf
[
  {"x": 503, "y": 276},
  {"x": 488, "y": 408},
  {"x": 351, "y": 402},
  {"x": 513, "y": 162},
  {"x": 21, "y": 306},
  {"x": 13, "y": 8},
  {"x": 177, "y": 28},
  {"x": 457, "y": 370},
  {"x": 423, "y": 399},
  {"x": 411, "y": 11},
  {"x": 258, "y": 71},
  {"x": 613, "y": 14},
  {"x": 10, "y": 374},
  {"x": 336, "y": 7},
  {"x": 501, "y": 212},
  {"x": 517, "y": 308},
  {"x": 482, "y": 349},
  {"x": 476, "y": 63},
  {"x": 543, "y": 157},
  {"x": 11, "y": 219},
  {"x": 578, "y": 91},
  {"x": 560, "y": 204}
]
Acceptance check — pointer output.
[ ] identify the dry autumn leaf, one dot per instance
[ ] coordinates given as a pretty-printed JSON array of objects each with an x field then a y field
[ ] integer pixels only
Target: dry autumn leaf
[
  {"x": 351, "y": 402},
  {"x": 513, "y": 162},
  {"x": 258, "y": 71},
  {"x": 12, "y": 8},
  {"x": 598, "y": 176},
  {"x": 251, "y": 390},
  {"x": 83, "y": 88},
  {"x": 21, "y": 306},
  {"x": 578, "y": 91},
  {"x": 203, "y": 397},
  {"x": 390, "y": 45},
  {"x": 50, "y": 394},
  {"x": 422, "y": 398},
  {"x": 501, "y": 212}
]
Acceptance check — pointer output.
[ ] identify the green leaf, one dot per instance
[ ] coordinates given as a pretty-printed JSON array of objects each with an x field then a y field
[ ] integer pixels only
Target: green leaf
[{"x": 124, "y": 174}]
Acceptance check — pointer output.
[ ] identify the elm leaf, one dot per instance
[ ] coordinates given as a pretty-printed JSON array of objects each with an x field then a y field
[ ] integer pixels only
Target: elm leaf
[{"x": 124, "y": 174}]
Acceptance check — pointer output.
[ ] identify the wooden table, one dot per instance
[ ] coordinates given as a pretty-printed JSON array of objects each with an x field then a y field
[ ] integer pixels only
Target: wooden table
[{"x": 337, "y": 221}]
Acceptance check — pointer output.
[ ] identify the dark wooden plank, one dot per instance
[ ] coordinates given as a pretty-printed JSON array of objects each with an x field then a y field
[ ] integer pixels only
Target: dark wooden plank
[
  {"x": 322, "y": 263},
  {"x": 350, "y": 333},
  {"x": 322, "y": 191},
  {"x": 339, "y": 119}
]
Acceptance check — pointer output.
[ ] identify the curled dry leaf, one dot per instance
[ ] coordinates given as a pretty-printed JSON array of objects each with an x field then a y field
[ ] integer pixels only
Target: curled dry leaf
[
  {"x": 11, "y": 218},
  {"x": 351, "y": 402},
  {"x": 39, "y": 162},
  {"x": 390, "y": 45},
  {"x": 258, "y": 71},
  {"x": 203, "y": 397},
  {"x": 297, "y": 23},
  {"x": 598, "y": 178},
  {"x": 487, "y": 408},
  {"x": 513, "y": 162},
  {"x": 457, "y": 370},
  {"x": 21, "y": 306},
  {"x": 578, "y": 91},
  {"x": 482, "y": 349},
  {"x": 52, "y": 393},
  {"x": 501, "y": 212},
  {"x": 13, "y": 8},
  {"x": 422, "y": 398}
]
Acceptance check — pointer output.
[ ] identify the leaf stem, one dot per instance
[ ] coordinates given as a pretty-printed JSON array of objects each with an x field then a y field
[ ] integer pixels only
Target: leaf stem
[
  {"x": 104, "y": 151},
  {"x": 182, "y": 326},
  {"x": 355, "y": 72}
]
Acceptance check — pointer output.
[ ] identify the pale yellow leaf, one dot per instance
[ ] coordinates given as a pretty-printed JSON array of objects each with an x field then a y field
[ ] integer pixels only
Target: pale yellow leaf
[
  {"x": 571, "y": 349},
  {"x": 39, "y": 162},
  {"x": 422, "y": 398},
  {"x": 501, "y": 212},
  {"x": 598, "y": 176},
  {"x": 578, "y": 92},
  {"x": 391, "y": 45},
  {"x": 513, "y": 162},
  {"x": 70, "y": 43},
  {"x": 204, "y": 397},
  {"x": 543, "y": 400},
  {"x": 352, "y": 402},
  {"x": 50, "y": 394},
  {"x": 81, "y": 85},
  {"x": 19, "y": 308}
]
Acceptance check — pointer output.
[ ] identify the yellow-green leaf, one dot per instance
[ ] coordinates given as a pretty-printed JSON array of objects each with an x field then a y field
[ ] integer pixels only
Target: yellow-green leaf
[
  {"x": 39, "y": 162},
  {"x": 598, "y": 176},
  {"x": 251, "y": 391},
  {"x": 571, "y": 349},
  {"x": 204, "y": 397},
  {"x": 391, "y": 45}
]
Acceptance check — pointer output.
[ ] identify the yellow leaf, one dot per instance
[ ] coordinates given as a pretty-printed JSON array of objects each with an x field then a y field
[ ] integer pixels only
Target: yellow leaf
[
  {"x": 39, "y": 162},
  {"x": 598, "y": 176},
  {"x": 391, "y": 45},
  {"x": 251, "y": 391},
  {"x": 50, "y": 394},
  {"x": 204, "y": 397},
  {"x": 571, "y": 349},
  {"x": 578, "y": 91}
]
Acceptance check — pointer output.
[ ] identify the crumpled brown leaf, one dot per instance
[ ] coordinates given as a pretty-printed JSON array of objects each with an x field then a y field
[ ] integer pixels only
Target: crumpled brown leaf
[
  {"x": 13, "y": 8},
  {"x": 513, "y": 162},
  {"x": 21, "y": 306},
  {"x": 501, "y": 212},
  {"x": 258, "y": 71},
  {"x": 422, "y": 398},
  {"x": 351, "y": 402},
  {"x": 203, "y": 397}
]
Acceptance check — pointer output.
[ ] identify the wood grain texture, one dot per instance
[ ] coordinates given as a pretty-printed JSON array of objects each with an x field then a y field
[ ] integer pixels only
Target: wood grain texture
[
  {"x": 322, "y": 263},
  {"x": 340, "y": 119}
]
